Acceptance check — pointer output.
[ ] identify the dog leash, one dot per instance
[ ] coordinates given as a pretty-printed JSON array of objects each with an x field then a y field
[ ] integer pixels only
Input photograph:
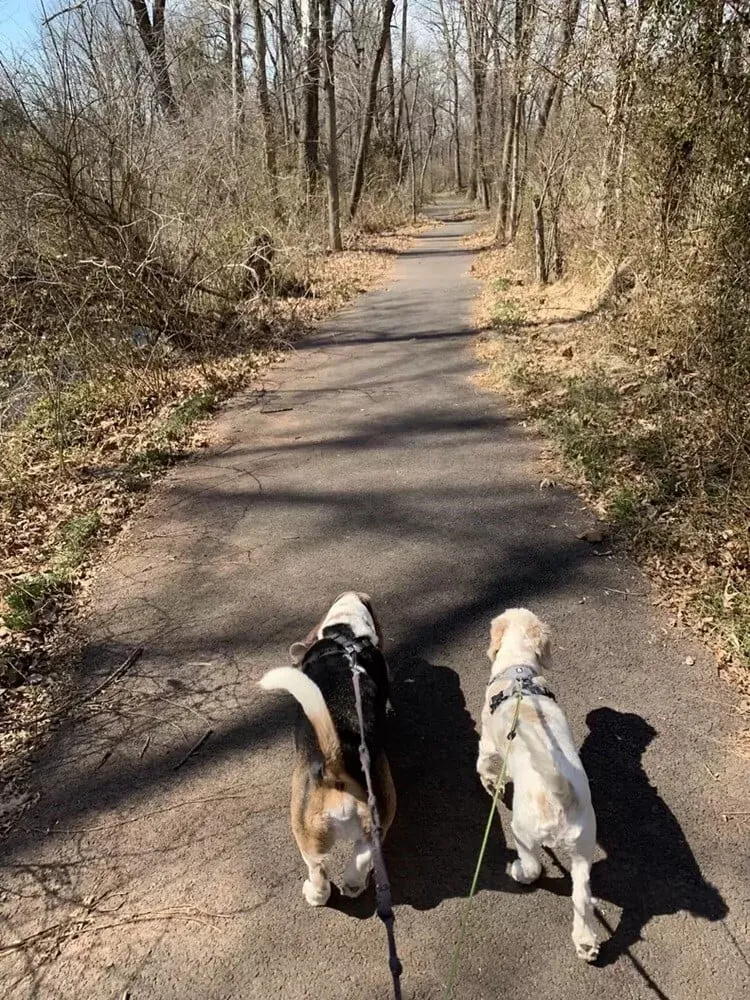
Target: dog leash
[
  {"x": 499, "y": 791},
  {"x": 382, "y": 885}
]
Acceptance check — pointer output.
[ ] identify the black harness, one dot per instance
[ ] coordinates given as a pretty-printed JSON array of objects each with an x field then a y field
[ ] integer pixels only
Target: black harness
[{"x": 524, "y": 680}]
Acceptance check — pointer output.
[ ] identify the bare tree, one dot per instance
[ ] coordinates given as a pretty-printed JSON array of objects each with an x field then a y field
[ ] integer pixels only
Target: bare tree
[
  {"x": 358, "y": 177},
  {"x": 329, "y": 84},
  {"x": 237, "y": 70},
  {"x": 480, "y": 17},
  {"x": 309, "y": 161},
  {"x": 151, "y": 28},
  {"x": 264, "y": 101}
]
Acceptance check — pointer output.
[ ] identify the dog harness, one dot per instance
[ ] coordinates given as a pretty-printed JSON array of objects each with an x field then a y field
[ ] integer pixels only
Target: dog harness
[
  {"x": 353, "y": 648},
  {"x": 523, "y": 680}
]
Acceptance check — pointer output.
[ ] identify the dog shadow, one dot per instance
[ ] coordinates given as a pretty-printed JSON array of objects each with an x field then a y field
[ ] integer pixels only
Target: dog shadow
[
  {"x": 442, "y": 810},
  {"x": 649, "y": 870},
  {"x": 441, "y": 815}
]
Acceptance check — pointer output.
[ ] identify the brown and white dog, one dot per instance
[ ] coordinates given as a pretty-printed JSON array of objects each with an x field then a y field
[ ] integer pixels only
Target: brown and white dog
[
  {"x": 329, "y": 798},
  {"x": 551, "y": 797}
]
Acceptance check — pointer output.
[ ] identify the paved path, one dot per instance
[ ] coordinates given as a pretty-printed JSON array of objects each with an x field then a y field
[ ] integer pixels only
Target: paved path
[{"x": 373, "y": 461}]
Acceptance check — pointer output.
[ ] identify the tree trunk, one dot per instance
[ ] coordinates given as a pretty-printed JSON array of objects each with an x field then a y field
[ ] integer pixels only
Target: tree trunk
[
  {"x": 153, "y": 35},
  {"x": 556, "y": 252},
  {"x": 458, "y": 180},
  {"x": 402, "y": 67},
  {"x": 481, "y": 187},
  {"x": 428, "y": 152},
  {"x": 372, "y": 94},
  {"x": 409, "y": 144},
  {"x": 540, "y": 251},
  {"x": 390, "y": 99},
  {"x": 283, "y": 70},
  {"x": 501, "y": 221},
  {"x": 515, "y": 174},
  {"x": 234, "y": 21},
  {"x": 471, "y": 184},
  {"x": 329, "y": 84},
  {"x": 309, "y": 160},
  {"x": 269, "y": 149}
]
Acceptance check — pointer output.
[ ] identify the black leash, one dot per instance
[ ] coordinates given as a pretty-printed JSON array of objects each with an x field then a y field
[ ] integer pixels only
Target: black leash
[{"x": 382, "y": 885}]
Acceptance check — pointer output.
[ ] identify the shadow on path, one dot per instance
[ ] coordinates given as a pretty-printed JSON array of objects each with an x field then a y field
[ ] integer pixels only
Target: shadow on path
[{"x": 650, "y": 869}]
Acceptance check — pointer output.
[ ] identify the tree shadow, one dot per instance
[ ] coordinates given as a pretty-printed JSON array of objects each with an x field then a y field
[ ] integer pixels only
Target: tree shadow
[{"x": 650, "y": 869}]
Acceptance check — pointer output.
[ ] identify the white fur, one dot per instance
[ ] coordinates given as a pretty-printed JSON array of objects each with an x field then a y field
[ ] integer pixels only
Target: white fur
[
  {"x": 551, "y": 796},
  {"x": 349, "y": 609},
  {"x": 306, "y": 691}
]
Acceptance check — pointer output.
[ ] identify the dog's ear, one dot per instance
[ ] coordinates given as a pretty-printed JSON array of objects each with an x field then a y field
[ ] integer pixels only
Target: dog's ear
[
  {"x": 541, "y": 635},
  {"x": 497, "y": 631},
  {"x": 297, "y": 652}
]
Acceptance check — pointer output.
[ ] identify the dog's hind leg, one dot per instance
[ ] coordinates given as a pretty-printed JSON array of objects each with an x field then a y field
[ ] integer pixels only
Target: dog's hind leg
[
  {"x": 584, "y": 927},
  {"x": 528, "y": 867},
  {"x": 313, "y": 836},
  {"x": 357, "y": 871}
]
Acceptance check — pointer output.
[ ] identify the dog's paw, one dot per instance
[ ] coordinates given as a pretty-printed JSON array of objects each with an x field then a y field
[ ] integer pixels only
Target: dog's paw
[
  {"x": 518, "y": 874},
  {"x": 488, "y": 784},
  {"x": 316, "y": 897},
  {"x": 353, "y": 889},
  {"x": 587, "y": 950}
]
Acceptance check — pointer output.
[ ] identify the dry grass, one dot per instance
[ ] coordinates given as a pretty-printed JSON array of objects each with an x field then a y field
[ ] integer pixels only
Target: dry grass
[{"x": 635, "y": 432}]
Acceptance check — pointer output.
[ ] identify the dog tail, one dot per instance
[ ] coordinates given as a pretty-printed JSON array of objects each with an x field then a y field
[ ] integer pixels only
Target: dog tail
[
  {"x": 543, "y": 764},
  {"x": 309, "y": 695}
]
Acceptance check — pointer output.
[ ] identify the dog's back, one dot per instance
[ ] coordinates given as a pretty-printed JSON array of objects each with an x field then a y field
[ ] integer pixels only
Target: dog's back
[
  {"x": 327, "y": 664},
  {"x": 549, "y": 782}
]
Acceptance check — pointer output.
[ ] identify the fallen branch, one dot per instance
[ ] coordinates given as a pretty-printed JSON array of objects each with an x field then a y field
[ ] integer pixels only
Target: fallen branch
[
  {"x": 76, "y": 702},
  {"x": 79, "y": 925},
  {"x": 193, "y": 750}
]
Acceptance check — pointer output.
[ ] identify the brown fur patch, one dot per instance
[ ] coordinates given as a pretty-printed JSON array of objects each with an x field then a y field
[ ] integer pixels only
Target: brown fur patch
[
  {"x": 313, "y": 799},
  {"x": 497, "y": 631}
]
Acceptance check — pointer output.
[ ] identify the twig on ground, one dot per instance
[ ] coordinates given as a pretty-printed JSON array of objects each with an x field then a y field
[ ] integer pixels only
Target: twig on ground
[
  {"x": 149, "y": 814},
  {"x": 78, "y": 925},
  {"x": 625, "y": 593},
  {"x": 77, "y": 702},
  {"x": 193, "y": 750}
]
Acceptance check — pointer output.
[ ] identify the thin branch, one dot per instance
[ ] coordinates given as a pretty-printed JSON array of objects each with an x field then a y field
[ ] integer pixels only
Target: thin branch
[{"x": 65, "y": 10}]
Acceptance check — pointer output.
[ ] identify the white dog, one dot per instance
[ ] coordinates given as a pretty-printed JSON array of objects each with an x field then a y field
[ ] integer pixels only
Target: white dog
[{"x": 551, "y": 797}]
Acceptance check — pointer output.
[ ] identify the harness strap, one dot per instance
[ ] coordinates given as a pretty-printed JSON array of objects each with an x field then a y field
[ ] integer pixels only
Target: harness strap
[
  {"x": 524, "y": 682},
  {"x": 382, "y": 885}
]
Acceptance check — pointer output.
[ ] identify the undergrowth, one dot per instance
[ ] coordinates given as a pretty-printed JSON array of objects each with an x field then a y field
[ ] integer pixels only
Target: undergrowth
[{"x": 651, "y": 441}]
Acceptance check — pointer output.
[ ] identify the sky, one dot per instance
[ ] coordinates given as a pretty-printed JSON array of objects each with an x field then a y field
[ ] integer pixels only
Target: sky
[{"x": 18, "y": 23}]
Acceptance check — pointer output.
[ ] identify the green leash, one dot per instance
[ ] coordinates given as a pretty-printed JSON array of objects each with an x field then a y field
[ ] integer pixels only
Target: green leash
[{"x": 499, "y": 789}]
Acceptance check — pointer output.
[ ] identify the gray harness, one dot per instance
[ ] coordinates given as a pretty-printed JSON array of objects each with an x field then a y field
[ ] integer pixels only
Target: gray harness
[{"x": 524, "y": 680}]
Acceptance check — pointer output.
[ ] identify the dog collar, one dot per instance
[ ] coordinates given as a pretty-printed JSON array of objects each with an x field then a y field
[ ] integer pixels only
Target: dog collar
[{"x": 523, "y": 680}]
